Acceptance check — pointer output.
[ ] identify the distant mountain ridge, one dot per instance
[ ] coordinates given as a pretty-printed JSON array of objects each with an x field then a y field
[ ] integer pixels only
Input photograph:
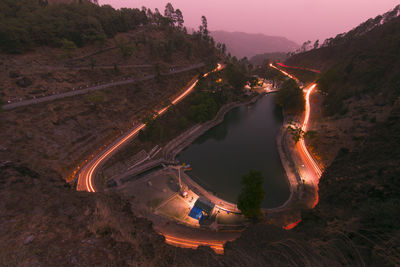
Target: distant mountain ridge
[{"x": 242, "y": 44}]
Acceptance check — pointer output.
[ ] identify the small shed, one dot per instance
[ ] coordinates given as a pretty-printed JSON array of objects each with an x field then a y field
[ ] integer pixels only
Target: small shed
[
  {"x": 196, "y": 213},
  {"x": 206, "y": 205},
  {"x": 201, "y": 207}
]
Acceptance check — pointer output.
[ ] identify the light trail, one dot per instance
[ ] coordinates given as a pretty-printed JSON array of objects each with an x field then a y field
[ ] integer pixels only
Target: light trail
[
  {"x": 304, "y": 128},
  {"x": 284, "y": 72},
  {"x": 292, "y": 225},
  {"x": 86, "y": 176},
  {"x": 216, "y": 245},
  {"x": 313, "y": 171},
  {"x": 89, "y": 182}
]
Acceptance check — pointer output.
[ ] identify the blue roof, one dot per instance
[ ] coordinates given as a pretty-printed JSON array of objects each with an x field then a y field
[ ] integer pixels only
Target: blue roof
[{"x": 196, "y": 213}]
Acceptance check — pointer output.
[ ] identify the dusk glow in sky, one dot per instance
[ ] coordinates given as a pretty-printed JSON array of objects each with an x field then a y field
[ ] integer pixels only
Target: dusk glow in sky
[{"x": 298, "y": 20}]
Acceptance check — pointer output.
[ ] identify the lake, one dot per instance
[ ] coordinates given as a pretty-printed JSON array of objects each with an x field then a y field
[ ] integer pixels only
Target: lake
[{"x": 245, "y": 140}]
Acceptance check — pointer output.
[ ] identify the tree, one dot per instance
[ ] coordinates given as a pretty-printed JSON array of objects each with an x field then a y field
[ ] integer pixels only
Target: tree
[
  {"x": 203, "y": 27},
  {"x": 169, "y": 13},
  {"x": 179, "y": 19},
  {"x": 327, "y": 42},
  {"x": 203, "y": 107},
  {"x": 305, "y": 46},
  {"x": 252, "y": 195},
  {"x": 290, "y": 97},
  {"x": 236, "y": 75},
  {"x": 223, "y": 49},
  {"x": 316, "y": 44}
]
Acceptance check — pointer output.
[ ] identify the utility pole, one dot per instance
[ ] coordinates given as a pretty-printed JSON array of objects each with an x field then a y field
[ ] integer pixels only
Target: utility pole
[{"x": 179, "y": 174}]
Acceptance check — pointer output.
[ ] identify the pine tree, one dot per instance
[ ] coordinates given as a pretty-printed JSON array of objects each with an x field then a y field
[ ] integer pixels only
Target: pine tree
[{"x": 179, "y": 19}]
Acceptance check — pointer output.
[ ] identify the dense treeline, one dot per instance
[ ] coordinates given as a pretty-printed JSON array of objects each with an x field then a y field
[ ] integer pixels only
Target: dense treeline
[{"x": 25, "y": 24}]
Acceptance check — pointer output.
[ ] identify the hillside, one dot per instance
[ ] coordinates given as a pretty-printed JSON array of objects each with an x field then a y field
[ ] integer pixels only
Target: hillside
[
  {"x": 242, "y": 44},
  {"x": 37, "y": 134}
]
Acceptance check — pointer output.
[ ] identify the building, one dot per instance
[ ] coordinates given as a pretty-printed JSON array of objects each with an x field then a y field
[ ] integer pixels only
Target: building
[{"x": 202, "y": 207}]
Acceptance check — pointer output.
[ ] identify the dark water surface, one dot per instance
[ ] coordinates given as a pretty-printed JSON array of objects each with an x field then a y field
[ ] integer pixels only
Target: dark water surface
[{"x": 245, "y": 140}]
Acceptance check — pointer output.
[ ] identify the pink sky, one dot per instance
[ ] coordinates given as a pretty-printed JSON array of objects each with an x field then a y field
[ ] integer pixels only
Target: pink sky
[{"x": 298, "y": 20}]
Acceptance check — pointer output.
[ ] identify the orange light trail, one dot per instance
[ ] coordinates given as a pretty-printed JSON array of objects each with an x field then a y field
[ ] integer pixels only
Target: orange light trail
[
  {"x": 217, "y": 246},
  {"x": 304, "y": 128},
  {"x": 87, "y": 176},
  {"x": 292, "y": 225},
  {"x": 313, "y": 171},
  {"x": 284, "y": 72},
  {"x": 89, "y": 183}
]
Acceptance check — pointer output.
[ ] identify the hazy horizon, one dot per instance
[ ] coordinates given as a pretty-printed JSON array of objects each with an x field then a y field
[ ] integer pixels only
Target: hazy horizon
[{"x": 305, "y": 20}]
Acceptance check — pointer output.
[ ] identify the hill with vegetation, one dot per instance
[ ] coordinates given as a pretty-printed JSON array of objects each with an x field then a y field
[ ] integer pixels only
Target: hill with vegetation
[{"x": 242, "y": 44}]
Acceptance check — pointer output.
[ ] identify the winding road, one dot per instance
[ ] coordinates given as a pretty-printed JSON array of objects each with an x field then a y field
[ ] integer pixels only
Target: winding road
[
  {"x": 87, "y": 173},
  {"x": 311, "y": 171}
]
